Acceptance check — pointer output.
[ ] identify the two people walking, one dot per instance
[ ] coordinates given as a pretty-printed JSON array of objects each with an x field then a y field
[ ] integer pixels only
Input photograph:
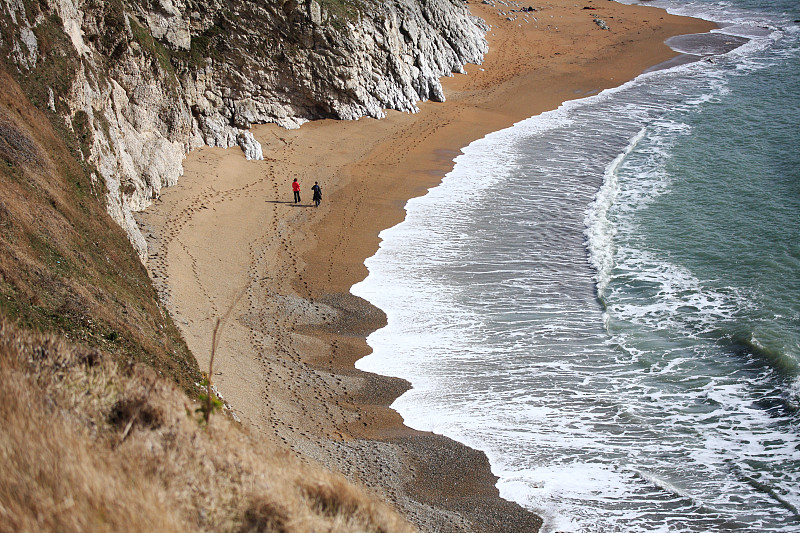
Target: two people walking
[{"x": 316, "y": 188}]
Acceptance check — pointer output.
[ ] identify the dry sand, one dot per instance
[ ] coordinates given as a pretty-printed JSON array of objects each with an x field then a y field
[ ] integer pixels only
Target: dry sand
[{"x": 285, "y": 361}]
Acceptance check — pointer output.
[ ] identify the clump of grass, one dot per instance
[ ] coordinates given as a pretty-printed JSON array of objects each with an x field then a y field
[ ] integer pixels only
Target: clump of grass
[
  {"x": 152, "y": 47},
  {"x": 83, "y": 131},
  {"x": 340, "y": 11}
]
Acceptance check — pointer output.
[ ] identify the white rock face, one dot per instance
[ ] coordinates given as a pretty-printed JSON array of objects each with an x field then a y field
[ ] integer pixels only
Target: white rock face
[
  {"x": 250, "y": 146},
  {"x": 72, "y": 19},
  {"x": 156, "y": 78},
  {"x": 167, "y": 22}
]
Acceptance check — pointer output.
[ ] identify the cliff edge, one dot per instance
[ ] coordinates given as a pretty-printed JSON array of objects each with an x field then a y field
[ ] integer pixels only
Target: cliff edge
[{"x": 142, "y": 83}]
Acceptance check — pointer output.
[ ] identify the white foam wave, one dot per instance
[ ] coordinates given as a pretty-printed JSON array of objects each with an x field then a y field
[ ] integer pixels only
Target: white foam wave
[
  {"x": 599, "y": 229},
  {"x": 752, "y": 22}
]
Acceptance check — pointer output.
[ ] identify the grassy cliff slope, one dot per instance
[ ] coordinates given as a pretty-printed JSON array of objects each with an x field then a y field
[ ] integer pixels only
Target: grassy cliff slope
[{"x": 98, "y": 415}]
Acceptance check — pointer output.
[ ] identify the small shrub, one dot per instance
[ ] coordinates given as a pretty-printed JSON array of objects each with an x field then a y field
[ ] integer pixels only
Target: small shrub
[
  {"x": 265, "y": 516},
  {"x": 135, "y": 411}
]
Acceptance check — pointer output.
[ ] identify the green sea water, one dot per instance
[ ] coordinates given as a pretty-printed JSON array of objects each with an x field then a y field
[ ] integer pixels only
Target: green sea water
[{"x": 605, "y": 298}]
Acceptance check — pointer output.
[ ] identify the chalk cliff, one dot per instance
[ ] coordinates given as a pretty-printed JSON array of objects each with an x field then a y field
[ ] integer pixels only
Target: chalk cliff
[{"x": 141, "y": 83}]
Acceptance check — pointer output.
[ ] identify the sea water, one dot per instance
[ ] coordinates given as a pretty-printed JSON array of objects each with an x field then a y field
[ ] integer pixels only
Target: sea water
[{"x": 605, "y": 298}]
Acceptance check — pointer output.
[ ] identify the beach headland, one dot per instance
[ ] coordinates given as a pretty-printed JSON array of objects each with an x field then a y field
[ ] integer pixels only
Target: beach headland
[{"x": 285, "y": 363}]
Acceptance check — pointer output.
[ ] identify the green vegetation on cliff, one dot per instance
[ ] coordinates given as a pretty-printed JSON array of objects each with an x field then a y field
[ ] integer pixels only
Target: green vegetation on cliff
[{"x": 65, "y": 266}]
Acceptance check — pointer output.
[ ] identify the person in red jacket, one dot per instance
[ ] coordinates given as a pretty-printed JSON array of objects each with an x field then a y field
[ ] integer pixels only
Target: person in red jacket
[{"x": 296, "y": 189}]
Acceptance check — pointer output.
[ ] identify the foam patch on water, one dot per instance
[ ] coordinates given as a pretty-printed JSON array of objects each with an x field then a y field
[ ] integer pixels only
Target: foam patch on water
[{"x": 705, "y": 44}]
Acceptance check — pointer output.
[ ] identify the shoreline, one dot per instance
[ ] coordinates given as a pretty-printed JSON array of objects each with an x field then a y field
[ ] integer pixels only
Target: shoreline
[{"x": 286, "y": 360}]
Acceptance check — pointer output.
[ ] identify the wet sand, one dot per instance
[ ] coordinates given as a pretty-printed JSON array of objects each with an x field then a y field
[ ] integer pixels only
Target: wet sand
[{"x": 286, "y": 356}]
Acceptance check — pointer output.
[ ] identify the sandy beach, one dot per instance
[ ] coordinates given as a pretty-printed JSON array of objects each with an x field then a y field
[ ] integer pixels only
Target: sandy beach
[{"x": 229, "y": 236}]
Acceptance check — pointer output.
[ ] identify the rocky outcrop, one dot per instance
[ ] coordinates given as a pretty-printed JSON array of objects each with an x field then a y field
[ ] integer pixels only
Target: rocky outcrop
[{"x": 140, "y": 83}]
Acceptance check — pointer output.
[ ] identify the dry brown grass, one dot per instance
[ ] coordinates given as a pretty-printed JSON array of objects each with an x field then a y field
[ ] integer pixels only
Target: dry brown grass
[
  {"x": 86, "y": 446},
  {"x": 56, "y": 477}
]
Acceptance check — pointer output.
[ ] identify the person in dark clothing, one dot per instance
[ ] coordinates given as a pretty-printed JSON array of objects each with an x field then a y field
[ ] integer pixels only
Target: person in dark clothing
[
  {"x": 317, "y": 193},
  {"x": 296, "y": 189}
]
